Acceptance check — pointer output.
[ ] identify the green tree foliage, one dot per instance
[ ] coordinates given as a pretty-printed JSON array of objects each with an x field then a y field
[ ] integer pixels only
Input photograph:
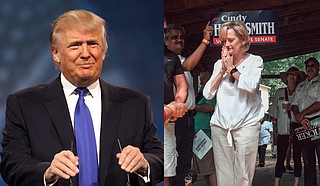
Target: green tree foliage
[{"x": 282, "y": 65}]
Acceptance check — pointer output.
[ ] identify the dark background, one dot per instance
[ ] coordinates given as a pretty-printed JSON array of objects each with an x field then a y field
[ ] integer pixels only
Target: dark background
[{"x": 134, "y": 58}]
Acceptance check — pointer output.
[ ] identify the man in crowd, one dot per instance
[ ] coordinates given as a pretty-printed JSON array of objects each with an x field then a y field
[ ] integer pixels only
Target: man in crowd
[
  {"x": 173, "y": 78},
  {"x": 184, "y": 128},
  {"x": 306, "y": 108}
]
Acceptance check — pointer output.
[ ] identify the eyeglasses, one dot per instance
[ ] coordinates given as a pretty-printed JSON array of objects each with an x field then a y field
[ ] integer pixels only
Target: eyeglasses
[
  {"x": 311, "y": 66},
  {"x": 177, "y": 37}
]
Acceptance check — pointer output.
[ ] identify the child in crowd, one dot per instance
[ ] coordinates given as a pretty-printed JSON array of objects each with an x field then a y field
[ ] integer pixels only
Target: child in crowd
[{"x": 265, "y": 139}]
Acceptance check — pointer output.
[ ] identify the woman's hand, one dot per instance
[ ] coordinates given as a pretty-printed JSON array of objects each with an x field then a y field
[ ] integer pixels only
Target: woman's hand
[{"x": 227, "y": 59}]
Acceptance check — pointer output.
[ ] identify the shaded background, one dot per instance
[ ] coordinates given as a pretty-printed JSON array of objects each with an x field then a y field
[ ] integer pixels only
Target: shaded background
[{"x": 134, "y": 58}]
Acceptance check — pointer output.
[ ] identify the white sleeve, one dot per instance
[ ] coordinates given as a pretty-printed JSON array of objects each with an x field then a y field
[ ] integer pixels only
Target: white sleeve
[
  {"x": 250, "y": 78},
  {"x": 146, "y": 178},
  {"x": 45, "y": 183}
]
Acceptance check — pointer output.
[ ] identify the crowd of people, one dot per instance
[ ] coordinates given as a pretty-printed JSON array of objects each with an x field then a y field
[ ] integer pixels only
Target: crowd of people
[
  {"x": 229, "y": 111},
  {"x": 281, "y": 117}
]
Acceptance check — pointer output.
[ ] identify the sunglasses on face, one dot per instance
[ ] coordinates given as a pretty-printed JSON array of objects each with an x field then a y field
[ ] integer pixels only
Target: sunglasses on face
[{"x": 177, "y": 37}]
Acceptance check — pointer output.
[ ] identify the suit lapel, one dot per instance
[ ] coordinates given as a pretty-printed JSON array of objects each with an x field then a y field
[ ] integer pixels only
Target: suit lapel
[
  {"x": 111, "y": 112},
  {"x": 59, "y": 113}
]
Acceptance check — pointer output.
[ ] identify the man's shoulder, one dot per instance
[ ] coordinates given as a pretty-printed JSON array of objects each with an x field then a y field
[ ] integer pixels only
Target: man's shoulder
[
  {"x": 317, "y": 79},
  {"x": 40, "y": 92},
  {"x": 172, "y": 64},
  {"x": 301, "y": 85},
  {"x": 35, "y": 95},
  {"x": 170, "y": 56},
  {"x": 33, "y": 91}
]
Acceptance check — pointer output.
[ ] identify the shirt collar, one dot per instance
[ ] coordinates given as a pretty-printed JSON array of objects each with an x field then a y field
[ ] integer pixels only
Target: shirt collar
[
  {"x": 316, "y": 79},
  {"x": 69, "y": 88},
  {"x": 312, "y": 80}
]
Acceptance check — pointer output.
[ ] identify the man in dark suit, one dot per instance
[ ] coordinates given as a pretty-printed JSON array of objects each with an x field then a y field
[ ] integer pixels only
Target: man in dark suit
[{"x": 40, "y": 145}]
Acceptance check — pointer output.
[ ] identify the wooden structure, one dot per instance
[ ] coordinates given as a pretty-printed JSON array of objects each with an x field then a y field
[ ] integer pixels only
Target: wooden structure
[{"x": 299, "y": 25}]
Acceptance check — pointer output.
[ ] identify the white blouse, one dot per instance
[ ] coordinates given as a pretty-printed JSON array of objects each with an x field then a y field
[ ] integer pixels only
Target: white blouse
[{"x": 238, "y": 104}]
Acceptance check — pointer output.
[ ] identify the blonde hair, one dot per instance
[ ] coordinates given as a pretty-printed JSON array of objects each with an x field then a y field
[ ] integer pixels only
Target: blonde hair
[
  {"x": 80, "y": 20},
  {"x": 239, "y": 28}
]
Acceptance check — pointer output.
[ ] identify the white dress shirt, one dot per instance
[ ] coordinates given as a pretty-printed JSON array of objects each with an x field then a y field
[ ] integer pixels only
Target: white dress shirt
[
  {"x": 93, "y": 102},
  {"x": 306, "y": 94}
]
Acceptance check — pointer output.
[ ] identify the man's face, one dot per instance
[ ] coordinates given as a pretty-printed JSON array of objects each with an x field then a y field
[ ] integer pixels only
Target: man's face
[
  {"x": 175, "y": 42},
  {"x": 80, "y": 55},
  {"x": 312, "y": 69}
]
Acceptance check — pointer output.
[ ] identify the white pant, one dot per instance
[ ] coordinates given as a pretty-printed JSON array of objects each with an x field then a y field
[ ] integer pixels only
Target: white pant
[
  {"x": 235, "y": 165},
  {"x": 170, "y": 153}
]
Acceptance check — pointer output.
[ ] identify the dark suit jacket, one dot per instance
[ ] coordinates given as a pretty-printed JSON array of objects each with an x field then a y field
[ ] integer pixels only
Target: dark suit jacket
[{"x": 38, "y": 126}]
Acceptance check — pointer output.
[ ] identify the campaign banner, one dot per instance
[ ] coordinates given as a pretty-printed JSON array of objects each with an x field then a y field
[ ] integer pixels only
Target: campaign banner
[
  {"x": 261, "y": 24},
  {"x": 307, "y": 135}
]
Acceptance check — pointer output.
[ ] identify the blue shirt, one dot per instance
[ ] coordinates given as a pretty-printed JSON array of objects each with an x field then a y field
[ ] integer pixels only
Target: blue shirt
[{"x": 266, "y": 129}]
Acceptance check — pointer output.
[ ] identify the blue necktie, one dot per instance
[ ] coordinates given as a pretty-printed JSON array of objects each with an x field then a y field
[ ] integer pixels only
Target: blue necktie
[{"x": 86, "y": 143}]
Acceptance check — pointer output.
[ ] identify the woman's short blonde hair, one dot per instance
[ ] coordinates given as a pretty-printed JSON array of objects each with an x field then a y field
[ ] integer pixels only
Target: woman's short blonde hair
[
  {"x": 80, "y": 20},
  {"x": 239, "y": 28}
]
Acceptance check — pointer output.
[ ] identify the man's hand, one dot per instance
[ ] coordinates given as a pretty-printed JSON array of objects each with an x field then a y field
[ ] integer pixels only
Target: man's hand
[
  {"x": 64, "y": 165},
  {"x": 299, "y": 117},
  {"x": 175, "y": 110},
  {"x": 178, "y": 109},
  {"x": 131, "y": 160},
  {"x": 305, "y": 123},
  {"x": 207, "y": 32}
]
